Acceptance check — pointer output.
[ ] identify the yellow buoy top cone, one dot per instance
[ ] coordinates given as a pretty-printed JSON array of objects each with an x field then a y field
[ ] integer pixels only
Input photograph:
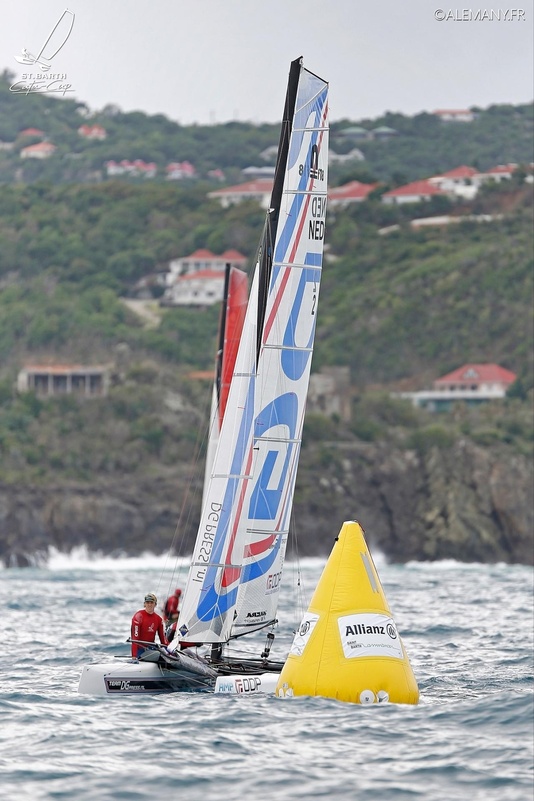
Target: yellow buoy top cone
[{"x": 348, "y": 646}]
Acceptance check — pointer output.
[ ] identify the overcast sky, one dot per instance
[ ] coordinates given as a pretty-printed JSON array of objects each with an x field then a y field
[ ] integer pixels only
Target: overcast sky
[{"x": 210, "y": 61}]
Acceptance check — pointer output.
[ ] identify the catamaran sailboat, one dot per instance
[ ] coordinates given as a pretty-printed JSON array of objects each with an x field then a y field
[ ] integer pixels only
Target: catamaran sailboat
[{"x": 233, "y": 584}]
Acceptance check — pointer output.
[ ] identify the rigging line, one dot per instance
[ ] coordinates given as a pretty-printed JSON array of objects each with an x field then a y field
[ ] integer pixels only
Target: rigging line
[
  {"x": 298, "y": 589},
  {"x": 193, "y": 473}
]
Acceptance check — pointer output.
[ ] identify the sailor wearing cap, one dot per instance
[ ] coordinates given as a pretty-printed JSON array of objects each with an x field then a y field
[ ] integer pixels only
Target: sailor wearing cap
[{"x": 146, "y": 623}]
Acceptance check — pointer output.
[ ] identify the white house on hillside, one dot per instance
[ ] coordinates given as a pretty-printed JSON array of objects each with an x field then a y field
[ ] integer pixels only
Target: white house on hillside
[
  {"x": 352, "y": 192},
  {"x": 204, "y": 259},
  {"x": 455, "y": 115},
  {"x": 259, "y": 190},
  {"x": 64, "y": 379},
  {"x": 501, "y": 172},
  {"x": 471, "y": 383},
  {"x": 413, "y": 193},
  {"x": 198, "y": 279},
  {"x": 92, "y": 132},
  {"x": 458, "y": 181},
  {"x": 202, "y": 288},
  {"x": 42, "y": 150}
]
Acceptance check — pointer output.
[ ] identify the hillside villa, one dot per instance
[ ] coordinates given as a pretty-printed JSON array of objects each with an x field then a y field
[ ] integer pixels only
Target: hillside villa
[
  {"x": 178, "y": 170},
  {"x": 471, "y": 384},
  {"x": 460, "y": 182},
  {"x": 42, "y": 150},
  {"x": 132, "y": 168},
  {"x": 202, "y": 288},
  {"x": 198, "y": 279},
  {"x": 92, "y": 132},
  {"x": 64, "y": 379},
  {"x": 259, "y": 190},
  {"x": 35, "y": 132},
  {"x": 415, "y": 192},
  {"x": 353, "y": 192},
  {"x": 455, "y": 115}
]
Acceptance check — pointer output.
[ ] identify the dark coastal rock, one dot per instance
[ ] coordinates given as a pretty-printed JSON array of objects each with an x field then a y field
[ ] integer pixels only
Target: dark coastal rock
[{"x": 464, "y": 502}]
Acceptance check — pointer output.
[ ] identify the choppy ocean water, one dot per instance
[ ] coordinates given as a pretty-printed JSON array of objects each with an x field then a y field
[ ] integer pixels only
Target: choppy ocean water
[{"x": 468, "y": 630}]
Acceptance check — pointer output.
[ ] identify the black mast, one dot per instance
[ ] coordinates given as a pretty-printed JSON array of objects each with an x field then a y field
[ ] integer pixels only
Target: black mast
[
  {"x": 266, "y": 255},
  {"x": 222, "y": 331}
]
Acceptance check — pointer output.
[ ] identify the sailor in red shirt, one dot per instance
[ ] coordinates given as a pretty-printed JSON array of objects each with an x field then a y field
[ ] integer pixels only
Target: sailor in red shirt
[
  {"x": 145, "y": 624},
  {"x": 171, "y": 606}
]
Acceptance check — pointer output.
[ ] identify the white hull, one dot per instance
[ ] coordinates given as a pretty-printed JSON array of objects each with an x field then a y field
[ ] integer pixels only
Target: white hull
[{"x": 135, "y": 678}]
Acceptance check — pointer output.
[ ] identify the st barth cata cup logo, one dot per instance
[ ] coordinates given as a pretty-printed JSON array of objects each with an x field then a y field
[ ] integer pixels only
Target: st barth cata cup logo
[{"x": 53, "y": 44}]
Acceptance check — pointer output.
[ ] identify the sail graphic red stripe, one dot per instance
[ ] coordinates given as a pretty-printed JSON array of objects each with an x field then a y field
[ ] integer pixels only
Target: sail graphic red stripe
[
  {"x": 231, "y": 574},
  {"x": 277, "y": 301}
]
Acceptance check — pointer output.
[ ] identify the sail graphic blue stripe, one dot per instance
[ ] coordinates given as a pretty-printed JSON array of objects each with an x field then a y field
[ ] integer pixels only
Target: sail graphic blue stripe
[{"x": 213, "y": 603}]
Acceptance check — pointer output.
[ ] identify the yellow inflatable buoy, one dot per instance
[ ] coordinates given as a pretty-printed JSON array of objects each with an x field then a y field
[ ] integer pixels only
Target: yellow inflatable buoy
[{"x": 347, "y": 646}]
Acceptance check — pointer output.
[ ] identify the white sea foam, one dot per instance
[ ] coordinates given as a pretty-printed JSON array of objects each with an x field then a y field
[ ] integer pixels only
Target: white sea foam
[{"x": 84, "y": 559}]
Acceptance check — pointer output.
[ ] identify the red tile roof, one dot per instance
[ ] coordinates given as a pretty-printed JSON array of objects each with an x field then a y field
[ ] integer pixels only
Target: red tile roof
[
  {"x": 459, "y": 172},
  {"x": 502, "y": 168},
  {"x": 416, "y": 188},
  {"x": 355, "y": 190},
  {"x": 202, "y": 253},
  {"x": 233, "y": 255},
  {"x": 40, "y": 146},
  {"x": 478, "y": 373},
  {"x": 31, "y": 132}
]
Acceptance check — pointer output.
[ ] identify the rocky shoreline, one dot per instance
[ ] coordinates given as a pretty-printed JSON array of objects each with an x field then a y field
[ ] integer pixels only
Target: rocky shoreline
[{"x": 465, "y": 502}]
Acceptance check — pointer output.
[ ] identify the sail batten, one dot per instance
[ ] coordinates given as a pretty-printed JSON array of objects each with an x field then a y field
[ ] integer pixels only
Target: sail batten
[
  {"x": 263, "y": 531},
  {"x": 240, "y": 476},
  {"x": 289, "y": 348},
  {"x": 285, "y": 440}
]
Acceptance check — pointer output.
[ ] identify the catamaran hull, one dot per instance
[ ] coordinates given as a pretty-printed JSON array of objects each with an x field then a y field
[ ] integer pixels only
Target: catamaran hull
[
  {"x": 149, "y": 678},
  {"x": 137, "y": 678}
]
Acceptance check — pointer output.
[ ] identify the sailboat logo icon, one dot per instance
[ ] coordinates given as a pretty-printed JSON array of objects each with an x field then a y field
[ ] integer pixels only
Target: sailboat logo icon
[{"x": 53, "y": 43}]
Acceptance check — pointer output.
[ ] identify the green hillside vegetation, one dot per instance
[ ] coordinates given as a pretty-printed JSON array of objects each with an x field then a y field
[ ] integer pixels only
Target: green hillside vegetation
[
  {"x": 399, "y": 309},
  {"x": 423, "y": 146},
  {"x": 420, "y": 303},
  {"x": 406, "y": 304},
  {"x": 499, "y": 134}
]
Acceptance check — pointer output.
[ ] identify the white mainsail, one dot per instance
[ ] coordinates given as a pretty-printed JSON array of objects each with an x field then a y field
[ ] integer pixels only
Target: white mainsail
[
  {"x": 234, "y": 578},
  {"x": 285, "y": 356}
]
